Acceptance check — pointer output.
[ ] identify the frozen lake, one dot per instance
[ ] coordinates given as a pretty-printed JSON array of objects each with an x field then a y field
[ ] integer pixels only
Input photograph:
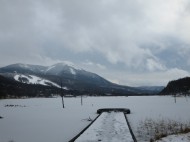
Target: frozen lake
[{"x": 44, "y": 119}]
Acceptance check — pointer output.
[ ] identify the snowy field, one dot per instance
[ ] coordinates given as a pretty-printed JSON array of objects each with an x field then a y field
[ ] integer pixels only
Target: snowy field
[
  {"x": 176, "y": 138},
  {"x": 44, "y": 119}
]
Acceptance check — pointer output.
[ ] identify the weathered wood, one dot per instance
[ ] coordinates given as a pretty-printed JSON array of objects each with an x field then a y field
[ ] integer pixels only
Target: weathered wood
[
  {"x": 73, "y": 139},
  {"x": 130, "y": 129},
  {"x": 100, "y": 111},
  {"x": 124, "y": 110}
]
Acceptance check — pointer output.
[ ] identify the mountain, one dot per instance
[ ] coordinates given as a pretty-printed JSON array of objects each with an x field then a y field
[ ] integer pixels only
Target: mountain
[
  {"x": 69, "y": 77},
  {"x": 61, "y": 72},
  {"x": 23, "y": 68},
  {"x": 9, "y": 88},
  {"x": 151, "y": 89},
  {"x": 32, "y": 79},
  {"x": 180, "y": 86}
]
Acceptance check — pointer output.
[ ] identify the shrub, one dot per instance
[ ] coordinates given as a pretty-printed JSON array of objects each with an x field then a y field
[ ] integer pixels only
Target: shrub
[{"x": 153, "y": 130}]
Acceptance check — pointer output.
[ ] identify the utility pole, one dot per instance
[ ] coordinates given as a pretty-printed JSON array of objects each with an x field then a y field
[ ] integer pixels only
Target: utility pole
[
  {"x": 62, "y": 95},
  {"x": 81, "y": 100}
]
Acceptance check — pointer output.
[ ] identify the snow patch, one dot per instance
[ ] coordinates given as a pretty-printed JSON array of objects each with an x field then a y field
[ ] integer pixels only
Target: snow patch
[
  {"x": 65, "y": 88},
  {"x": 72, "y": 71},
  {"x": 49, "y": 68},
  {"x": 23, "y": 65},
  {"x": 176, "y": 138},
  {"x": 70, "y": 64}
]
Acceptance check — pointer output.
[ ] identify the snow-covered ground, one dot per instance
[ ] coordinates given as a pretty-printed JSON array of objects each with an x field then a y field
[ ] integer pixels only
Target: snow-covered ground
[
  {"x": 176, "y": 138},
  {"x": 109, "y": 127},
  {"x": 44, "y": 119}
]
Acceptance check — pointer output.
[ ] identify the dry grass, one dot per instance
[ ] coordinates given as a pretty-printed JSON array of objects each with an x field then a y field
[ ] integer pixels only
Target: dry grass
[{"x": 153, "y": 130}]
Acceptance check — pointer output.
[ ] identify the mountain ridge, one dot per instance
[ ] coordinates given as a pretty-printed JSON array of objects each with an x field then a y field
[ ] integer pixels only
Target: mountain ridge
[
  {"x": 180, "y": 86},
  {"x": 74, "y": 78}
]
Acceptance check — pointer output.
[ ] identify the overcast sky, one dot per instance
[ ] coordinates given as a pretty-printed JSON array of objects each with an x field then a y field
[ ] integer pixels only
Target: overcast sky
[{"x": 130, "y": 42}]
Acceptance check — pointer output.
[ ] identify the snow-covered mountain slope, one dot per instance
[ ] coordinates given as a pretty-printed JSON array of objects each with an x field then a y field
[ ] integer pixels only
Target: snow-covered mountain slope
[
  {"x": 61, "y": 68},
  {"x": 32, "y": 79},
  {"x": 56, "y": 69}
]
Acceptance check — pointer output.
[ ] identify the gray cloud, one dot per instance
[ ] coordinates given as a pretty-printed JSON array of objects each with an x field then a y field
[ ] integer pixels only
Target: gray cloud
[{"x": 116, "y": 36}]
